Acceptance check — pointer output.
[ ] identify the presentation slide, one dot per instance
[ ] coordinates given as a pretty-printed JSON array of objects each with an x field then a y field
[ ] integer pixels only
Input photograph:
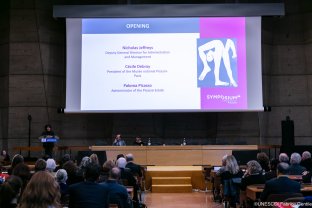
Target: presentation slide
[{"x": 163, "y": 64}]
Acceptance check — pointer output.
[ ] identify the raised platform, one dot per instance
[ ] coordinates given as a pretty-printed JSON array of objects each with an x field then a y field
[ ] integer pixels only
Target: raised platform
[{"x": 174, "y": 179}]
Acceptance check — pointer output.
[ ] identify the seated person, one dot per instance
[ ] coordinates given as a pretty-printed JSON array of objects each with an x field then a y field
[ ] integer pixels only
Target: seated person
[
  {"x": 88, "y": 193},
  {"x": 295, "y": 168},
  {"x": 273, "y": 169},
  {"x": 280, "y": 185},
  {"x": 4, "y": 158},
  {"x": 264, "y": 161},
  {"x": 283, "y": 157},
  {"x": 117, "y": 194},
  {"x": 253, "y": 175},
  {"x": 138, "y": 141},
  {"x": 222, "y": 168},
  {"x": 119, "y": 141},
  {"x": 306, "y": 160},
  {"x": 135, "y": 168}
]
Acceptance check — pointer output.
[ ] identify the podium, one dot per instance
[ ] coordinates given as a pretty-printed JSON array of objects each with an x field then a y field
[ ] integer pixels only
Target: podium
[
  {"x": 49, "y": 139},
  {"x": 48, "y": 144}
]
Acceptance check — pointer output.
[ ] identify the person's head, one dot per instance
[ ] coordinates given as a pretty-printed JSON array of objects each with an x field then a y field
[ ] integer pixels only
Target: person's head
[
  {"x": 108, "y": 165},
  {"x": 3, "y": 152},
  {"x": 41, "y": 191},
  {"x": 9, "y": 190},
  {"x": 306, "y": 155},
  {"x": 70, "y": 167},
  {"x": 114, "y": 174},
  {"x": 22, "y": 170},
  {"x": 40, "y": 165},
  {"x": 282, "y": 168},
  {"x": 295, "y": 158},
  {"x": 262, "y": 157},
  {"x": 273, "y": 164},
  {"x": 283, "y": 157},
  {"x": 118, "y": 136},
  {"x": 84, "y": 162},
  {"x": 92, "y": 172},
  {"x": 51, "y": 165},
  {"x": 17, "y": 159},
  {"x": 61, "y": 176},
  {"x": 94, "y": 159},
  {"x": 119, "y": 156},
  {"x": 64, "y": 159},
  {"x": 129, "y": 157},
  {"x": 253, "y": 167},
  {"x": 121, "y": 162},
  {"x": 138, "y": 139},
  {"x": 48, "y": 128},
  {"x": 224, "y": 160},
  {"x": 231, "y": 164}
]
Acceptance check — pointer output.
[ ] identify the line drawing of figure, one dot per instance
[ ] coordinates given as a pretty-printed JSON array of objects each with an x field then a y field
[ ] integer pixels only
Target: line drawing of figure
[{"x": 215, "y": 51}]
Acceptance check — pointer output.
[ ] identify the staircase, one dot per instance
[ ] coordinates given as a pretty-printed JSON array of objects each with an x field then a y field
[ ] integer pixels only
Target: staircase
[{"x": 171, "y": 184}]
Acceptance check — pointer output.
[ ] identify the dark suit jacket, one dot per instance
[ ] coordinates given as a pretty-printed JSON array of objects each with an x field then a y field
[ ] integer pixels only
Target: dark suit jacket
[
  {"x": 87, "y": 194},
  {"x": 252, "y": 179},
  {"x": 117, "y": 194},
  {"x": 296, "y": 169},
  {"x": 135, "y": 168},
  {"x": 279, "y": 185},
  {"x": 307, "y": 163}
]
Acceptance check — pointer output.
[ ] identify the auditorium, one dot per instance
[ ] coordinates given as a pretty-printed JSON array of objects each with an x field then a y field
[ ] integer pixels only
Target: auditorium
[{"x": 153, "y": 103}]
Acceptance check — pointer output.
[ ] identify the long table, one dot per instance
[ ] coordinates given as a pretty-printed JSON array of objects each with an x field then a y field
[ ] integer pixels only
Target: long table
[{"x": 175, "y": 155}]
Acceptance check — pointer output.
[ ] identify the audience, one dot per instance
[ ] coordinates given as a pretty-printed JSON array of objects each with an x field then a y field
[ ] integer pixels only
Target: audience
[
  {"x": 306, "y": 160},
  {"x": 85, "y": 161},
  {"x": 253, "y": 175},
  {"x": 72, "y": 169},
  {"x": 41, "y": 191},
  {"x": 222, "y": 168},
  {"x": 106, "y": 168},
  {"x": 264, "y": 161},
  {"x": 117, "y": 194},
  {"x": 88, "y": 193},
  {"x": 10, "y": 192},
  {"x": 94, "y": 159},
  {"x": 295, "y": 167},
  {"x": 51, "y": 165},
  {"x": 280, "y": 185},
  {"x": 22, "y": 170},
  {"x": 135, "y": 168},
  {"x": 64, "y": 159}
]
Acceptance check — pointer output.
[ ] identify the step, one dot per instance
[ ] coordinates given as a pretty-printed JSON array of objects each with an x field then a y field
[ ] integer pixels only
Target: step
[
  {"x": 172, "y": 188},
  {"x": 171, "y": 180}
]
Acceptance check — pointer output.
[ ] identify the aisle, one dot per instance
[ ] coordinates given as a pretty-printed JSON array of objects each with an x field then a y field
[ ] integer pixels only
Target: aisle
[{"x": 180, "y": 200}]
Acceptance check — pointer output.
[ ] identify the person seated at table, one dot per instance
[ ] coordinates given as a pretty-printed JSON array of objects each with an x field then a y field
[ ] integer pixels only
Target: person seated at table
[
  {"x": 264, "y": 161},
  {"x": 119, "y": 141},
  {"x": 280, "y": 185},
  {"x": 230, "y": 180},
  {"x": 253, "y": 175},
  {"x": 273, "y": 169},
  {"x": 306, "y": 160},
  {"x": 295, "y": 168},
  {"x": 283, "y": 157},
  {"x": 138, "y": 141}
]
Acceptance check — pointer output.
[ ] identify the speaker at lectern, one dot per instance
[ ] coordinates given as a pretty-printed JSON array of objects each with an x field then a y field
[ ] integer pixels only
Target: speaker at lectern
[{"x": 48, "y": 143}]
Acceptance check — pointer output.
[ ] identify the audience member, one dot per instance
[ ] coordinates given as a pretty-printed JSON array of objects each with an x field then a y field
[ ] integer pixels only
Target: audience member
[
  {"x": 64, "y": 159},
  {"x": 41, "y": 191},
  {"x": 61, "y": 178},
  {"x": 85, "y": 161},
  {"x": 72, "y": 169},
  {"x": 264, "y": 161},
  {"x": 106, "y": 168},
  {"x": 117, "y": 194},
  {"x": 119, "y": 156},
  {"x": 295, "y": 167},
  {"x": 4, "y": 158},
  {"x": 119, "y": 141},
  {"x": 40, "y": 165},
  {"x": 51, "y": 165},
  {"x": 222, "y": 168},
  {"x": 94, "y": 159},
  {"x": 283, "y": 157},
  {"x": 280, "y": 185},
  {"x": 229, "y": 182},
  {"x": 273, "y": 169},
  {"x": 17, "y": 159},
  {"x": 22, "y": 170},
  {"x": 253, "y": 175},
  {"x": 88, "y": 193},
  {"x": 10, "y": 192},
  {"x": 306, "y": 160},
  {"x": 135, "y": 168}
]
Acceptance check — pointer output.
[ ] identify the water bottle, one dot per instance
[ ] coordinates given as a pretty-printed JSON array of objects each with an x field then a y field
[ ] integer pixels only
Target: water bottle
[
  {"x": 184, "y": 142},
  {"x": 149, "y": 142}
]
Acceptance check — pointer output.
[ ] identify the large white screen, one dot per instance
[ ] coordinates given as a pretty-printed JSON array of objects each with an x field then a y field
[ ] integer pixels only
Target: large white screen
[{"x": 163, "y": 64}]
